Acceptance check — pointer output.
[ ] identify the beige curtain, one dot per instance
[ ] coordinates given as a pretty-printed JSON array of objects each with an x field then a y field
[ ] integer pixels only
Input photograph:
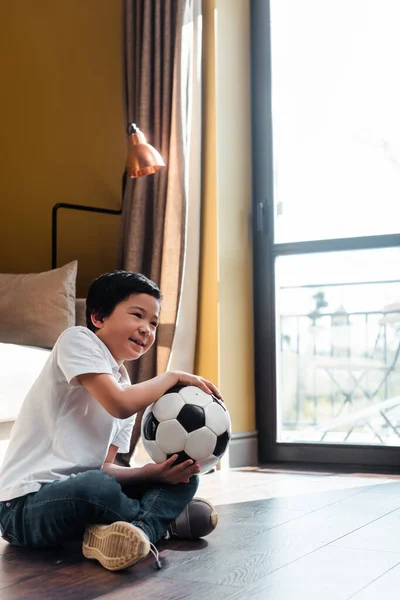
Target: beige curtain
[{"x": 157, "y": 71}]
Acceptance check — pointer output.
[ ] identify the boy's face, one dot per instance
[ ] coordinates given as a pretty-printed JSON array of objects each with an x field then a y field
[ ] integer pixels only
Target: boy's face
[{"x": 131, "y": 328}]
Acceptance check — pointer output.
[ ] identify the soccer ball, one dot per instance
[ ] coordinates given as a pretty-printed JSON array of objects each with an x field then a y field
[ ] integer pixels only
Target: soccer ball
[{"x": 188, "y": 422}]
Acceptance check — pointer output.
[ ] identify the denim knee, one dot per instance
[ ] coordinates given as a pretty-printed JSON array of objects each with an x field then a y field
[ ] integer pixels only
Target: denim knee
[{"x": 98, "y": 485}]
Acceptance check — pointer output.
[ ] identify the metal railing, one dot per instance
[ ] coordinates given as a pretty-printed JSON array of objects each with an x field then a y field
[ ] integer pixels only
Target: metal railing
[{"x": 320, "y": 373}]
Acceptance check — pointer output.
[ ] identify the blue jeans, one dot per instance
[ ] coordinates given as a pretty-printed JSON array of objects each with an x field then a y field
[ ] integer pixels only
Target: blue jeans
[{"x": 61, "y": 510}]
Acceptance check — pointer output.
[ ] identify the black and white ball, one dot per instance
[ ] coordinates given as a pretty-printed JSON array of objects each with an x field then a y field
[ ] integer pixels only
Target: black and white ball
[{"x": 188, "y": 422}]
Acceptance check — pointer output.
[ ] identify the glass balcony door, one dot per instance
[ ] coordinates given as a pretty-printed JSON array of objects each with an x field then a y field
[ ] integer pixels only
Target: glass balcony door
[
  {"x": 326, "y": 185},
  {"x": 338, "y": 347},
  {"x": 335, "y": 118}
]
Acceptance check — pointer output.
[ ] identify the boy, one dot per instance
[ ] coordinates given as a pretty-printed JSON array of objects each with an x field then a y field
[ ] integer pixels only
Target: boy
[{"x": 58, "y": 481}]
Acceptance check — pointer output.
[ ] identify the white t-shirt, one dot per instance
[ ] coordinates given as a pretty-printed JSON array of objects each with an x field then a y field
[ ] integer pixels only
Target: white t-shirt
[{"x": 61, "y": 429}]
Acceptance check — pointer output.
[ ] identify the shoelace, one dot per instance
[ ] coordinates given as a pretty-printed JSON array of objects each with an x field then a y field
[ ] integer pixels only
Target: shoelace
[{"x": 156, "y": 555}]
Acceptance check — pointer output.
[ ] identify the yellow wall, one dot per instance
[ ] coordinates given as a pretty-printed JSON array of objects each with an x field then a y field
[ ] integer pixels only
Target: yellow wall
[
  {"x": 226, "y": 301},
  {"x": 63, "y": 141},
  {"x": 62, "y": 132},
  {"x": 207, "y": 348}
]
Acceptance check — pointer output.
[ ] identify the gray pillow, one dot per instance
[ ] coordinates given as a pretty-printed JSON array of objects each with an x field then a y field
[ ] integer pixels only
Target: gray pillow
[{"x": 36, "y": 308}]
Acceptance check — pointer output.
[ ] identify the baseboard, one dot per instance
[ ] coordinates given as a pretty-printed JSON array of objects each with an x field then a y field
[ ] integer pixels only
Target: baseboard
[{"x": 243, "y": 449}]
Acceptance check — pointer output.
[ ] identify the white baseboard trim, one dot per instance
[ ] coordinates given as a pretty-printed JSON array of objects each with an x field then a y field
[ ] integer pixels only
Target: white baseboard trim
[{"x": 243, "y": 449}]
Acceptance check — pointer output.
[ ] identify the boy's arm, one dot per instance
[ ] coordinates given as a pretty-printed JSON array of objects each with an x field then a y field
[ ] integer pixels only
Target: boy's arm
[
  {"x": 165, "y": 472},
  {"x": 121, "y": 474},
  {"x": 123, "y": 402}
]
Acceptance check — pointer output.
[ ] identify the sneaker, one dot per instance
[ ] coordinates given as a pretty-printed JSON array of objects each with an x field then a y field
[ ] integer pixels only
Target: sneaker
[
  {"x": 116, "y": 546},
  {"x": 197, "y": 520}
]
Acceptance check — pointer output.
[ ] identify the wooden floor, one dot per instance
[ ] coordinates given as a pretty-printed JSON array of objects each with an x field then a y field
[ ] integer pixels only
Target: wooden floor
[{"x": 281, "y": 536}]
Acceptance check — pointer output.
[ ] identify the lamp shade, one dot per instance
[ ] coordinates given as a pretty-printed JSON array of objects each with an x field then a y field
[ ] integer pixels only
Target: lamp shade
[{"x": 142, "y": 158}]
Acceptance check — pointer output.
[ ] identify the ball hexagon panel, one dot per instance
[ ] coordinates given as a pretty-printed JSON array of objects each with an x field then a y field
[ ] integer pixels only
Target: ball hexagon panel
[
  {"x": 167, "y": 407},
  {"x": 191, "y": 417},
  {"x": 171, "y": 437},
  {"x": 221, "y": 445},
  {"x": 150, "y": 425},
  {"x": 155, "y": 452},
  {"x": 194, "y": 395},
  {"x": 201, "y": 443},
  {"x": 217, "y": 418}
]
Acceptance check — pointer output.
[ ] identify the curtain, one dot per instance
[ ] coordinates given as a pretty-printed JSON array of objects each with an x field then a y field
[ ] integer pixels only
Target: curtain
[
  {"x": 184, "y": 342},
  {"x": 158, "y": 50}
]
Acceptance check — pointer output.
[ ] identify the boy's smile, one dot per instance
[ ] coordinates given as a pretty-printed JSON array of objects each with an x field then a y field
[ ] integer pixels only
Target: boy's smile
[{"x": 130, "y": 330}]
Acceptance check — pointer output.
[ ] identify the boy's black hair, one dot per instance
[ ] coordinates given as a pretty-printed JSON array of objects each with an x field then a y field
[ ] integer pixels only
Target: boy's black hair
[{"x": 110, "y": 289}]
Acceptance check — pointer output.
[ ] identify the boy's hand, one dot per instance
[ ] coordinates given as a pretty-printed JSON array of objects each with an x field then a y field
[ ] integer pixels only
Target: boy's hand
[
  {"x": 167, "y": 472},
  {"x": 200, "y": 382}
]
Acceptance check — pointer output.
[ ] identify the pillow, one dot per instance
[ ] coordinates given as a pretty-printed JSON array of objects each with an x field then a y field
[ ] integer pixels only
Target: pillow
[
  {"x": 21, "y": 366},
  {"x": 36, "y": 308}
]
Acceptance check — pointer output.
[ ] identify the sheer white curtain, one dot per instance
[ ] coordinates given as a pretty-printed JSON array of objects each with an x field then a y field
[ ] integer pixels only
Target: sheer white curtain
[{"x": 184, "y": 342}]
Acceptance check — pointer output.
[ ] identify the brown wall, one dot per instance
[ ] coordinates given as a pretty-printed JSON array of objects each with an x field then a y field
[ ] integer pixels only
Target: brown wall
[{"x": 62, "y": 132}]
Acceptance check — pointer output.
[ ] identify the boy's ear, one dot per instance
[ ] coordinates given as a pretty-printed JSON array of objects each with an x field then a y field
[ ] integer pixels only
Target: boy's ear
[{"x": 97, "y": 322}]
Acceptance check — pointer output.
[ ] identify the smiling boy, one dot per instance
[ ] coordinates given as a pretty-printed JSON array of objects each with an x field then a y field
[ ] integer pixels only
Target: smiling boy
[{"x": 58, "y": 481}]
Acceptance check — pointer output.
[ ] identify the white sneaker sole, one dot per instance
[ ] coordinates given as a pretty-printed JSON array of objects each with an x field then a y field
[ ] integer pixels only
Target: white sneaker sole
[{"x": 116, "y": 546}]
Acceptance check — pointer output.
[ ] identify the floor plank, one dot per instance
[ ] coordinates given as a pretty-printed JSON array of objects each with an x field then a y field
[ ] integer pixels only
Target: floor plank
[
  {"x": 330, "y": 573},
  {"x": 170, "y": 589},
  {"x": 385, "y": 587},
  {"x": 386, "y": 530},
  {"x": 295, "y": 536},
  {"x": 255, "y": 552}
]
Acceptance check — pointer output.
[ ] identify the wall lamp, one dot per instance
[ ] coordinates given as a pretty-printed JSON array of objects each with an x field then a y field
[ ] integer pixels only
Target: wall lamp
[{"x": 142, "y": 159}]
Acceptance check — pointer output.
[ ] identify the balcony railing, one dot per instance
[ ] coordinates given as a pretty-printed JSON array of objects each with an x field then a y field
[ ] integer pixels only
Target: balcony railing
[{"x": 339, "y": 372}]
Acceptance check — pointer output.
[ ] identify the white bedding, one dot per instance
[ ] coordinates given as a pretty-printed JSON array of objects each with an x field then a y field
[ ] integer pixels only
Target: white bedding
[{"x": 19, "y": 367}]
